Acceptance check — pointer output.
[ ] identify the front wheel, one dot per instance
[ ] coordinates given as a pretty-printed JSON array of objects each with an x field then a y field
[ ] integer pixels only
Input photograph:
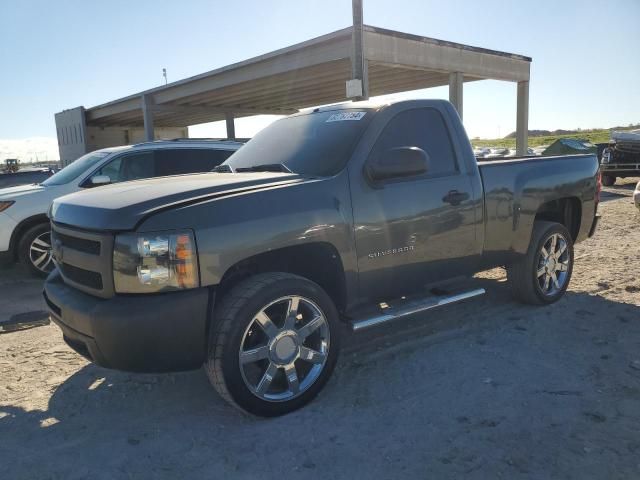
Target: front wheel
[
  {"x": 273, "y": 344},
  {"x": 542, "y": 276},
  {"x": 34, "y": 250}
]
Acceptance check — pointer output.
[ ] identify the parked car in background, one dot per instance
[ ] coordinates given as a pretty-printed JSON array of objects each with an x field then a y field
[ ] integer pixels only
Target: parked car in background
[
  {"x": 24, "y": 226},
  {"x": 480, "y": 152},
  {"x": 317, "y": 221},
  {"x": 538, "y": 151},
  {"x": 497, "y": 152},
  {"x": 622, "y": 157},
  {"x": 24, "y": 177}
]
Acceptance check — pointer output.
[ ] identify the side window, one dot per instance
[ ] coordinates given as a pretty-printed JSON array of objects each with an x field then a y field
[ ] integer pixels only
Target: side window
[
  {"x": 134, "y": 166},
  {"x": 112, "y": 170},
  {"x": 423, "y": 128},
  {"x": 137, "y": 166},
  {"x": 189, "y": 160}
]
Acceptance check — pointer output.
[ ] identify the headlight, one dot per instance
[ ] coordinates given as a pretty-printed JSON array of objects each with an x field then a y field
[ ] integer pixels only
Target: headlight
[
  {"x": 6, "y": 204},
  {"x": 155, "y": 262}
]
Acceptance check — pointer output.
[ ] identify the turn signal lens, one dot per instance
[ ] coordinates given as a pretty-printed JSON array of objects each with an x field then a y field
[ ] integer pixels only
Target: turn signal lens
[{"x": 186, "y": 274}]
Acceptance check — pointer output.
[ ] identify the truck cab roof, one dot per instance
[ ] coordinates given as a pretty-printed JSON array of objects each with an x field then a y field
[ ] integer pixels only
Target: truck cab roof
[{"x": 370, "y": 105}]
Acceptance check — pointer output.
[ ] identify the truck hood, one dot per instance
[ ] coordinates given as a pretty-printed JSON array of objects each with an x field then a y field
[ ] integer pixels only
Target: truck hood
[
  {"x": 124, "y": 205},
  {"x": 14, "y": 193}
]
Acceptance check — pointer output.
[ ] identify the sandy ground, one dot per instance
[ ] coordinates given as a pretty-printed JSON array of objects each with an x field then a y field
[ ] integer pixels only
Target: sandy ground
[{"x": 485, "y": 389}]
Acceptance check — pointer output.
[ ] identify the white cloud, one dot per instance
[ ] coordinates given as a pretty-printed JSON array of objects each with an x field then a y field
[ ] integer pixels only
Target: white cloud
[{"x": 29, "y": 149}]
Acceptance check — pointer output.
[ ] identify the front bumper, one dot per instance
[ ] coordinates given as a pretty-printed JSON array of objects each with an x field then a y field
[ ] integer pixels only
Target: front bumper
[
  {"x": 7, "y": 226},
  {"x": 137, "y": 333},
  {"x": 620, "y": 169}
]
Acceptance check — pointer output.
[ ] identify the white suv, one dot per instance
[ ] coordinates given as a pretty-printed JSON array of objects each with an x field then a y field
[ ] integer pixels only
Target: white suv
[{"x": 24, "y": 226}]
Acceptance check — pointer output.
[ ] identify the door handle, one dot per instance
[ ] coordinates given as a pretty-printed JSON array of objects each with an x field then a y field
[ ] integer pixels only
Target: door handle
[{"x": 454, "y": 197}]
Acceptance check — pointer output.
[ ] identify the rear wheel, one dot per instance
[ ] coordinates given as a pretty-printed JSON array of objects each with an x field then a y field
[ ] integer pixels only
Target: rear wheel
[
  {"x": 608, "y": 180},
  {"x": 543, "y": 274},
  {"x": 34, "y": 250},
  {"x": 273, "y": 344}
]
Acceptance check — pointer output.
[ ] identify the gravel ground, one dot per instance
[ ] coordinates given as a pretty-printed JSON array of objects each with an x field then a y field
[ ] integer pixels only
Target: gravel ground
[{"x": 485, "y": 389}]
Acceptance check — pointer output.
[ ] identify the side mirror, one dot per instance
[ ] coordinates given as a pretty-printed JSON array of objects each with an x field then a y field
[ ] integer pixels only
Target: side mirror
[
  {"x": 98, "y": 180},
  {"x": 399, "y": 162}
]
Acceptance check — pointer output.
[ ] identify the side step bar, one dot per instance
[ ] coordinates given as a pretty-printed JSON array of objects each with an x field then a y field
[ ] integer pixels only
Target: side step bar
[{"x": 392, "y": 313}]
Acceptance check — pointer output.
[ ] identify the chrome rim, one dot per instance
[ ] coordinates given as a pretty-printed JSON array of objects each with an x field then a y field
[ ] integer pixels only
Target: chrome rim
[
  {"x": 553, "y": 265},
  {"x": 284, "y": 349},
  {"x": 40, "y": 252}
]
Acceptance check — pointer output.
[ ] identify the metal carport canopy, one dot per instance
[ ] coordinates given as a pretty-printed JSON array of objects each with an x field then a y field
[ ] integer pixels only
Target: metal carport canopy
[{"x": 314, "y": 73}]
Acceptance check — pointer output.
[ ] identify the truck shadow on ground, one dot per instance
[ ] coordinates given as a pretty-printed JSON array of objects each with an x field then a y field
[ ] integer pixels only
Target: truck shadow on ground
[
  {"x": 619, "y": 190},
  {"x": 627, "y": 184},
  {"x": 488, "y": 386}
]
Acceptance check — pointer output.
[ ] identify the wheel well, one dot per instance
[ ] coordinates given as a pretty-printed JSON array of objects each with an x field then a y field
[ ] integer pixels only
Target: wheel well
[
  {"x": 22, "y": 227},
  {"x": 566, "y": 211},
  {"x": 319, "y": 262}
]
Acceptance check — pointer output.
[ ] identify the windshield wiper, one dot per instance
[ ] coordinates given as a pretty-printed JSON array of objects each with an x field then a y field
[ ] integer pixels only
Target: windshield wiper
[
  {"x": 267, "y": 167},
  {"x": 223, "y": 169}
]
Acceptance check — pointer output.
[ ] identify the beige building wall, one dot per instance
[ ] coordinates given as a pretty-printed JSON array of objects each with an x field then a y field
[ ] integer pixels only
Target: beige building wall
[{"x": 102, "y": 137}]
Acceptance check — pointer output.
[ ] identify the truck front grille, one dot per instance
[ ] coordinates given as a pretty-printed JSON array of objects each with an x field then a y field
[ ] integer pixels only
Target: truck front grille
[
  {"x": 80, "y": 244},
  {"x": 626, "y": 153},
  {"x": 84, "y": 259},
  {"x": 80, "y": 275},
  {"x": 629, "y": 148}
]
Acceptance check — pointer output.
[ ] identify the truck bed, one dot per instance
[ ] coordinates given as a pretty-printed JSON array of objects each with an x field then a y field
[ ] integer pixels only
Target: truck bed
[{"x": 516, "y": 187}]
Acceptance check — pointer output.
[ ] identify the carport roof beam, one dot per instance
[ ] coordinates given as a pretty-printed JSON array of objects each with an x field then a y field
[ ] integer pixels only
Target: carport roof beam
[{"x": 308, "y": 74}]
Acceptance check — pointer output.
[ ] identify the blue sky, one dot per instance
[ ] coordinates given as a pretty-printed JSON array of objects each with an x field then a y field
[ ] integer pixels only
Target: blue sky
[{"x": 61, "y": 54}]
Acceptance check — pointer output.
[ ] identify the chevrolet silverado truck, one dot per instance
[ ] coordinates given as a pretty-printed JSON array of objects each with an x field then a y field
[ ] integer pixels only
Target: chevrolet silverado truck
[{"x": 341, "y": 217}]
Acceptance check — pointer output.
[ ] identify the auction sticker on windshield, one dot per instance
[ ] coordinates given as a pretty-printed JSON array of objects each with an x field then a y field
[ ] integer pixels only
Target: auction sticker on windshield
[{"x": 345, "y": 116}]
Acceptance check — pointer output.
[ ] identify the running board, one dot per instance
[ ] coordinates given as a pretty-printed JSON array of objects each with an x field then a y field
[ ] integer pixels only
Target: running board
[{"x": 411, "y": 308}]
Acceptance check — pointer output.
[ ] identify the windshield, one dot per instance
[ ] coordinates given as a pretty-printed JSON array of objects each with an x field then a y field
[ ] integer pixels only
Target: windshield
[
  {"x": 75, "y": 169},
  {"x": 316, "y": 144}
]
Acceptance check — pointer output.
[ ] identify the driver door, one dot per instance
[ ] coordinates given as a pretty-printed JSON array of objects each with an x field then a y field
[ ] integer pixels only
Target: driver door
[{"x": 416, "y": 229}]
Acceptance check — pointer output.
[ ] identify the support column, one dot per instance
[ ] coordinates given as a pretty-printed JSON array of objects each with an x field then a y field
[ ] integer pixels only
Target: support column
[
  {"x": 365, "y": 79},
  {"x": 456, "y": 84},
  {"x": 147, "y": 115},
  {"x": 522, "y": 120},
  {"x": 231, "y": 126},
  {"x": 359, "y": 70}
]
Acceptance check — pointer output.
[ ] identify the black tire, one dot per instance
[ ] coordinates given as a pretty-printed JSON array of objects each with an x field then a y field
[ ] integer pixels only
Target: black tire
[
  {"x": 608, "y": 180},
  {"x": 233, "y": 318},
  {"x": 28, "y": 257},
  {"x": 523, "y": 274}
]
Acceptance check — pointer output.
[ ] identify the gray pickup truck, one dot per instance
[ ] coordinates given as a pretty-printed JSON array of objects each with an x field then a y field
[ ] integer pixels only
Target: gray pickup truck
[{"x": 352, "y": 215}]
